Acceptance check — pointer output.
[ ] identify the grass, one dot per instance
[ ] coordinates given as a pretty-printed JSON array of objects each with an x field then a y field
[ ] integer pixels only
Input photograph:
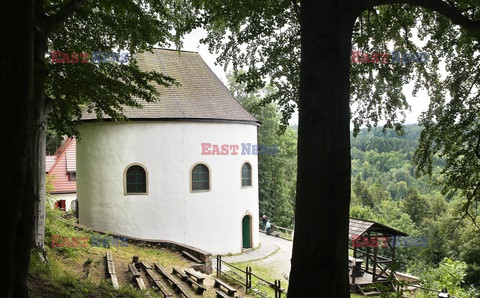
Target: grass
[
  {"x": 80, "y": 271},
  {"x": 263, "y": 289}
]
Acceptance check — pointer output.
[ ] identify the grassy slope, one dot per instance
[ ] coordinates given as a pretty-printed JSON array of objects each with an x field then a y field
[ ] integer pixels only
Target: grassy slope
[{"x": 80, "y": 271}]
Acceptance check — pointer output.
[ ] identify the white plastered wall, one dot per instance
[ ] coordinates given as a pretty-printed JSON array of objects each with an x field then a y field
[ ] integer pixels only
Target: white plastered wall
[
  {"x": 210, "y": 220},
  {"x": 68, "y": 197}
]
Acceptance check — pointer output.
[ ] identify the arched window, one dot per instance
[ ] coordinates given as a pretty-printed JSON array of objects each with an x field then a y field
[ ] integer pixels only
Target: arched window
[
  {"x": 246, "y": 174},
  {"x": 200, "y": 177},
  {"x": 136, "y": 180}
]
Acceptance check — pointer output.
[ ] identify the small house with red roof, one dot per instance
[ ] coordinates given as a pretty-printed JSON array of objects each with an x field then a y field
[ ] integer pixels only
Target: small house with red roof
[{"x": 61, "y": 170}]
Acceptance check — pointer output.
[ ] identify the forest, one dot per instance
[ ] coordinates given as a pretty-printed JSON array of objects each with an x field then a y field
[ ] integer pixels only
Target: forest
[{"x": 386, "y": 189}]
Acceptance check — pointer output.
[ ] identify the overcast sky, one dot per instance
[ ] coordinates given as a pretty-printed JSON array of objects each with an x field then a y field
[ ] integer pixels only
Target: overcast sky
[{"x": 192, "y": 43}]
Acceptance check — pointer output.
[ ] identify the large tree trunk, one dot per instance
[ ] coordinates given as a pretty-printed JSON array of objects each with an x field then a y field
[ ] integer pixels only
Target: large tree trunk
[
  {"x": 41, "y": 111},
  {"x": 320, "y": 248},
  {"x": 19, "y": 162}
]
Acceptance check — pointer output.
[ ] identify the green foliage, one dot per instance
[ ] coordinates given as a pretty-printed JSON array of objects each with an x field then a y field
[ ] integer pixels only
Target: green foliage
[
  {"x": 416, "y": 206},
  {"x": 109, "y": 26},
  {"x": 276, "y": 173},
  {"x": 263, "y": 37},
  {"x": 360, "y": 192},
  {"x": 449, "y": 275},
  {"x": 54, "y": 140},
  {"x": 411, "y": 204}
]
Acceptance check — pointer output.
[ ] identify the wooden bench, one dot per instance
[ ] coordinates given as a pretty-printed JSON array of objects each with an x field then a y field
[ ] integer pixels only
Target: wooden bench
[
  {"x": 218, "y": 283},
  {"x": 189, "y": 281},
  {"x": 175, "y": 284},
  {"x": 133, "y": 270},
  {"x": 197, "y": 277},
  {"x": 191, "y": 257},
  {"x": 161, "y": 287},
  {"x": 175, "y": 270},
  {"x": 221, "y": 294}
]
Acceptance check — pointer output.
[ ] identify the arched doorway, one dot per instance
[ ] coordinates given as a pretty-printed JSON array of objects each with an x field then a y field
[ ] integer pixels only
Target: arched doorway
[{"x": 247, "y": 232}]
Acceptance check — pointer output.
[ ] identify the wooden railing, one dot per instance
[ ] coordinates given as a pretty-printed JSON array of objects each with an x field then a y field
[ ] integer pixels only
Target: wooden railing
[
  {"x": 374, "y": 264},
  {"x": 247, "y": 283}
]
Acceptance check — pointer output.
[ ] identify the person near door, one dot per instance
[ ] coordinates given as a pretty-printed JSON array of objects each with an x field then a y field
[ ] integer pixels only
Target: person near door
[{"x": 269, "y": 227}]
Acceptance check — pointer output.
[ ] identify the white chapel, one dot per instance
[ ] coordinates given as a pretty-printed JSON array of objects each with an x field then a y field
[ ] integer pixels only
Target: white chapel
[{"x": 152, "y": 177}]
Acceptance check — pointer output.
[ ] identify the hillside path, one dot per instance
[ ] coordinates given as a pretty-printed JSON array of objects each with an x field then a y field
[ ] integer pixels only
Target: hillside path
[{"x": 274, "y": 254}]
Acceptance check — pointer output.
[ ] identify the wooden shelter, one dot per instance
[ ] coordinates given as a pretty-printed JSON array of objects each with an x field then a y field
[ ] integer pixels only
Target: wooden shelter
[{"x": 373, "y": 245}]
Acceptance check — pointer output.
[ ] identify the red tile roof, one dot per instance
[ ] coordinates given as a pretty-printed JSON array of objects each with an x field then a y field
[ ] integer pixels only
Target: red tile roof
[
  {"x": 49, "y": 161},
  {"x": 64, "y": 164}
]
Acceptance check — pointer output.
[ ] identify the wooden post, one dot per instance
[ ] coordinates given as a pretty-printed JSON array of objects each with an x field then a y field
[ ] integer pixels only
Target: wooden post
[
  {"x": 278, "y": 289},
  {"x": 248, "y": 277},
  {"x": 374, "y": 263},
  {"x": 219, "y": 264},
  {"x": 368, "y": 253},
  {"x": 354, "y": 261},
  {"x": 394, "y": 249}
]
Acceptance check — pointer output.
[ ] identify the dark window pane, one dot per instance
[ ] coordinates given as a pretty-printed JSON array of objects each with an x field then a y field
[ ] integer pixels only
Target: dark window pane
[
  {"x": 200, "y": 177},
  {"x": 246, "y": 175},
  {"x": 136, "y": 180}
]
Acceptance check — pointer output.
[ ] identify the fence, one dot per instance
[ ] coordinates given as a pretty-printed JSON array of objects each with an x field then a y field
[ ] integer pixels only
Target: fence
[
  {"x": 247, "y": 283},
  {"x": 278, "y": 231}
]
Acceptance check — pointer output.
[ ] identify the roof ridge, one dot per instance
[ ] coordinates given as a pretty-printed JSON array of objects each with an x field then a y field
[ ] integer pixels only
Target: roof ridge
[
  {"x": 62, "y": 151},
  {"x": 174, "y": 50}
]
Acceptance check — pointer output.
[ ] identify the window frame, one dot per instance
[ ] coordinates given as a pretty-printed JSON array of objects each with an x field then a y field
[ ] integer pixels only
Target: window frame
[
  {"x": 241, "y": 175},
  {"x": 125, "y": 192},
  {"x": 72, "y": 176},
  {"x": 209, "y": 178}
]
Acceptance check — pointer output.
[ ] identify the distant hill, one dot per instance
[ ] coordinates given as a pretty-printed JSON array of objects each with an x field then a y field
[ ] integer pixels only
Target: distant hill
[{"x": 385, "y": 158}]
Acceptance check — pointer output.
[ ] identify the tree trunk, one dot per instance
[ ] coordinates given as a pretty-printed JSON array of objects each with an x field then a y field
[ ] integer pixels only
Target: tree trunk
[
  {"x": 19, "y": 164},
  {"x": 320, "y": 248},
  {"x": 41, "y": 111}
]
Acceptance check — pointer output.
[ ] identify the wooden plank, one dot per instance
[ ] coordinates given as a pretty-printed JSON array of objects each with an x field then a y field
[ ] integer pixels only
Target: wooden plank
[
  {"x": 175, "y": 284},
  {"x": 165, "y": 273},
  {"x": 200, "y": 288},
  {"x": 182, "y": 290},
  {"x": 109, "y": 256},
  {"x": 231, "y": 291},
  {"x": 133, "y": 270},
  {"x": 151, "y": 274},
  {"x": 111, "y": 267},
  {"x": 140, "y": 283},
  {"x": 146, "y": 265},
  {"x": 191, "y": 257},
  {"x": 161, "y": 287},
  {"x": 176, "y": 270},
  {"x": 197, "y": 276},
  {"x": 113, "y": 277},
  {"x": 221, "y": 294},
  {"x": 189, "y": 281}
]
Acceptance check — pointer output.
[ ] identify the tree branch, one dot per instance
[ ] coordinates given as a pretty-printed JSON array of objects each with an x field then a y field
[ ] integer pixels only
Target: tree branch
[
  {"x": 53, "y": 21},
  {"x": 477, "y": 148},
  {"x": 439, "y": 6},
  {"x": 296, "y": 8}
]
